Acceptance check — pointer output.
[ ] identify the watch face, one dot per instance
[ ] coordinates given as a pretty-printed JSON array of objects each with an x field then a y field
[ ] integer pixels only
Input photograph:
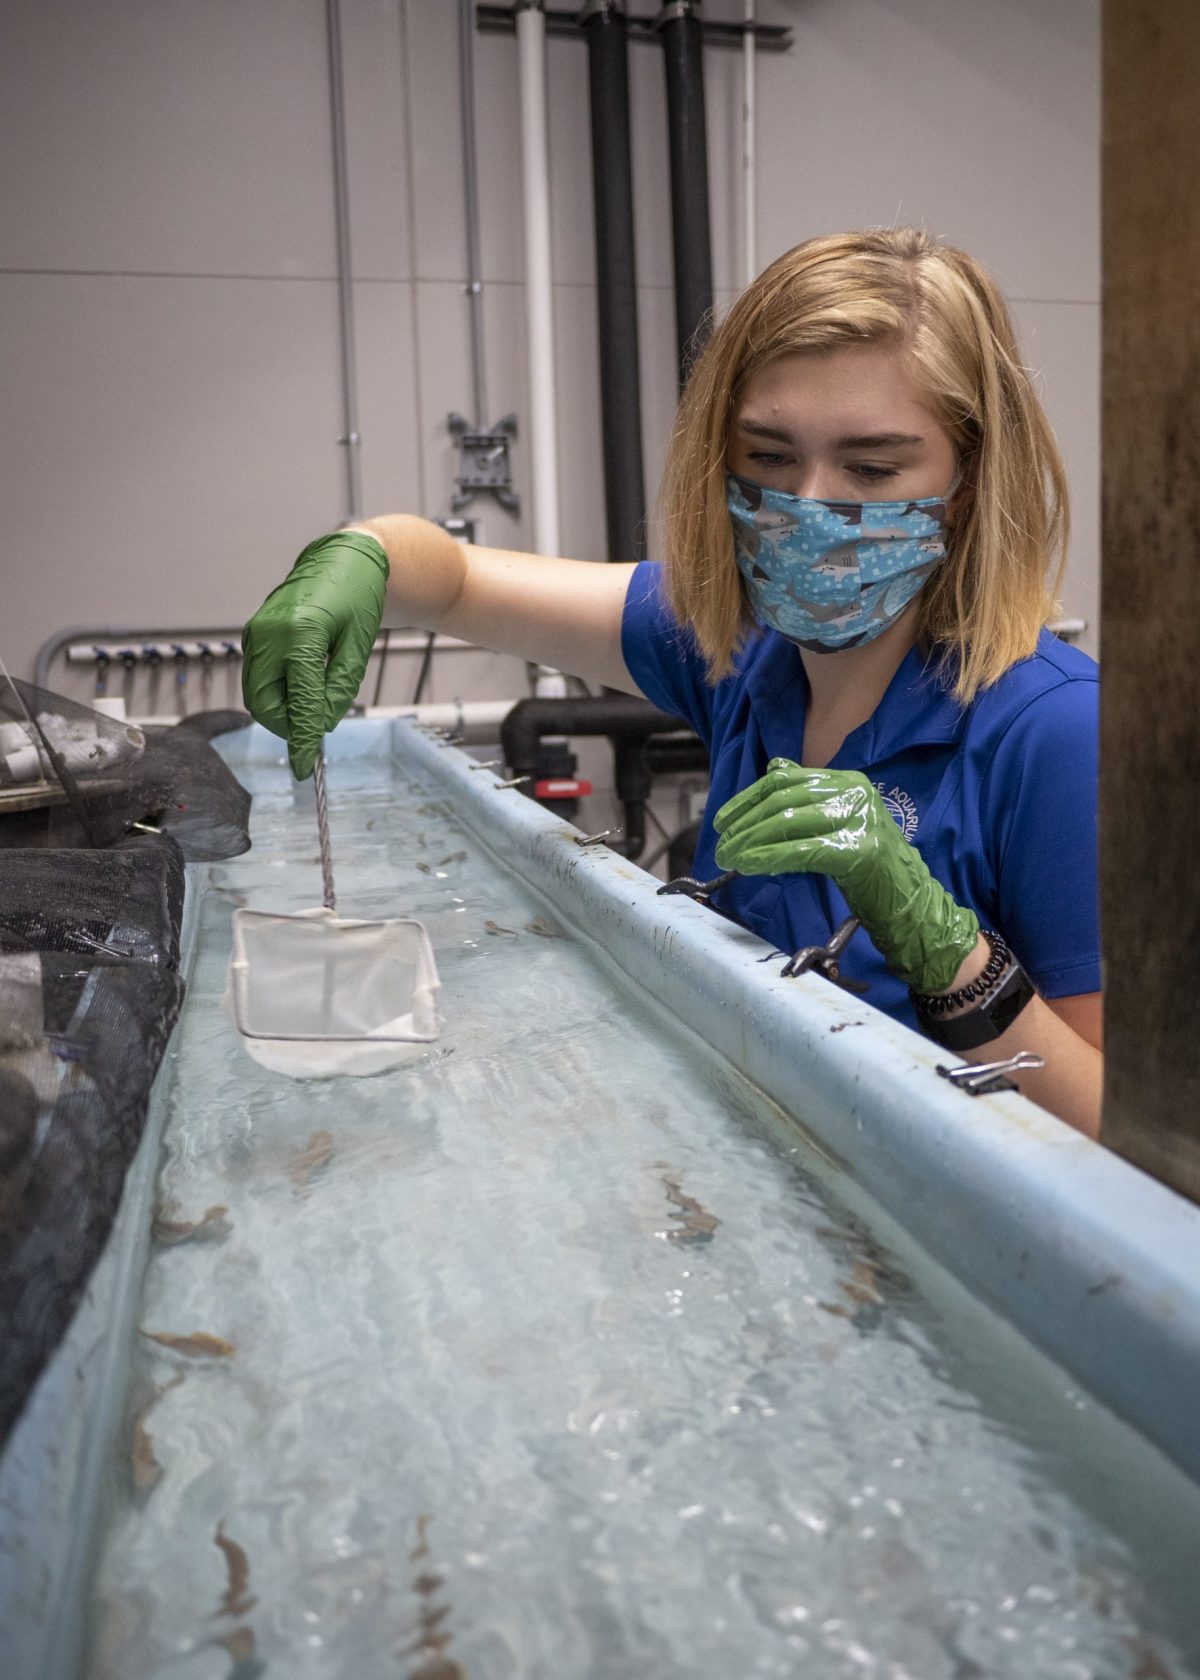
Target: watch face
[{"x": 1009, "y": 1001}]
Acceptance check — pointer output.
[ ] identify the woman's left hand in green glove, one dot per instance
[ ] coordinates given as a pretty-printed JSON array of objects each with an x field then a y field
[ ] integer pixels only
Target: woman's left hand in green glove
[{"x": 834, "y": 822}]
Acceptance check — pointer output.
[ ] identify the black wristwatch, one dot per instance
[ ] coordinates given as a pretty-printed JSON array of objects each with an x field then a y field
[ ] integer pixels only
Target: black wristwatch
[{"x": 996, "y": 998}]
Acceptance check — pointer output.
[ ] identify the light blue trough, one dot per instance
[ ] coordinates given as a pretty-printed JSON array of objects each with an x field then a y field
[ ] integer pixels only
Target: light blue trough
[{"x": 1085, "y": 1257}]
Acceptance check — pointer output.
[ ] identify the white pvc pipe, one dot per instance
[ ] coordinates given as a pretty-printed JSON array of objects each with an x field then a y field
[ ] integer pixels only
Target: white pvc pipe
[
  {"x": 474, "y": 720},
  {"x": 539, "y": 300},
  {"x": 749, "y": 245},
  {"x": 539, "y": 308}
]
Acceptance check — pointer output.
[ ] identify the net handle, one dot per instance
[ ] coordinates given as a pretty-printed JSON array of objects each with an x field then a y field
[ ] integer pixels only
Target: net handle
[{"x": 330, "y": 896}]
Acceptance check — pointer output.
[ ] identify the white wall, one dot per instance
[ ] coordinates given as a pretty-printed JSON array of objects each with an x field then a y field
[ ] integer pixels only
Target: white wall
[{"x": 169, "y": 397}]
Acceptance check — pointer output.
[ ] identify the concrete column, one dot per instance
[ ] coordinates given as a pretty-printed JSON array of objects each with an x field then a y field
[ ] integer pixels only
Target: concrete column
[{"x": 1150, "y": 586}]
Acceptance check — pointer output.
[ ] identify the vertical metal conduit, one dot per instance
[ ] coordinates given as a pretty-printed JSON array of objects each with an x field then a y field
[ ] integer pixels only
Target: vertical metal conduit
[
  {"x": 466, "y": 69},
  {"x": 683, "y": 53},
  {"x": 749, "y": 204},
  {"x": 350, "y": 439},
  {"x": 616, "y": 276}
]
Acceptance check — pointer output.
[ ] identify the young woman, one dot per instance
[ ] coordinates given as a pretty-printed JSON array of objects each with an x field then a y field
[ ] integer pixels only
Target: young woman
[{"x": 865, "y": 520}]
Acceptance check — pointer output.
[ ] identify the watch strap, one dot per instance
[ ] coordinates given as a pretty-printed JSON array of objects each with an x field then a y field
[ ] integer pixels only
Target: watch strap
[{"x": 997, "y": 997}]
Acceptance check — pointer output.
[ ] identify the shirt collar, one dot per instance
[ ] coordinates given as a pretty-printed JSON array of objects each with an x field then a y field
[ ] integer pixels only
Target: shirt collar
[{"x": 916, "y": 710}]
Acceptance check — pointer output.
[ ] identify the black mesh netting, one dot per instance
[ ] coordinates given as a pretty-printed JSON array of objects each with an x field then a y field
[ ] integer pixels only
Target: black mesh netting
[
  {"x": 71, "y": 777},
  {"x": 90, "y": 913}
]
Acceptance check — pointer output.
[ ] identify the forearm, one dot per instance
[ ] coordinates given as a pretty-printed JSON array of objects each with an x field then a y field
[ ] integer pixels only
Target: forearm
[
  {"x": 427, "y": 569},
  {"x": 562, "y": 613},
  {"x": 1071, "y": 1083}
]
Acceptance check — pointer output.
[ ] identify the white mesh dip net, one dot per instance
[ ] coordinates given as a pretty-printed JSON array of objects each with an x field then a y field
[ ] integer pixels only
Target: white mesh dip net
[{"x": 315, "y": 994}]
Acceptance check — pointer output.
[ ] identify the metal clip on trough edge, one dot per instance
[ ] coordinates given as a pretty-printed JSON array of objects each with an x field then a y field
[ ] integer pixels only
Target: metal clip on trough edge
[
  {"x": 689, "y": 887},
  {"x": 814, "y": 959},
  {"x": 976, "y": 1079},
  {"x": 823, "y": 959},
  {"x": 983, "y": 1079}
]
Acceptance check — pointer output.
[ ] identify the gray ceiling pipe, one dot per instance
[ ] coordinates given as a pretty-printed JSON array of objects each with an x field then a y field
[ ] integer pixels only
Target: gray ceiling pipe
[
  {"x": 603, "y": 24},
  {"x": 683, "y": 52}
]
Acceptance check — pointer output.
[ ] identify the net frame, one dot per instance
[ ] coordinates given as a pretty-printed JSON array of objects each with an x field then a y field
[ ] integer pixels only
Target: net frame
[{"x": 421, "y": 1002}]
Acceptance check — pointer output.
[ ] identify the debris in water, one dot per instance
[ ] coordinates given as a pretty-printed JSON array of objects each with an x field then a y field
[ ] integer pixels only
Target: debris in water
[
  {"x": 236, "y": 1601},
  {"x": 199, "y": 1345},
  {"x": 311, "y": 1158},
  {"x": 544, "y": 928},
  {"x": 494, "y": 927},
  {"x": 167, "y": 1230},
  {"x": 696, "y": 1224}
]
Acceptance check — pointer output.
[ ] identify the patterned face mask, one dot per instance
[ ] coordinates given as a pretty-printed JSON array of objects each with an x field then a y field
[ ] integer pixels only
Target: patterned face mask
[{"x": 832, "y": 574}]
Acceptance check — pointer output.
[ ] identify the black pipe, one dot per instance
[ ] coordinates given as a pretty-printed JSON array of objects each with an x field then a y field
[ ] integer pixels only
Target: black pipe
[
  {"x": 682, "y": 850},
  {"x": 683, "y": 54},
  {"x": 671, "y": 757},
  {"x": 622, "y": 717},
  {"x": 616, "y": 279},
  {"x": 633, "y": 784},
  {"x": 627, "y": 721}
]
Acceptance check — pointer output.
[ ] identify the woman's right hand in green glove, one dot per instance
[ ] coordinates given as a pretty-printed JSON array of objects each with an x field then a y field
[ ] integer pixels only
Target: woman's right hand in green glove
[{"x": 305, "y": 651}]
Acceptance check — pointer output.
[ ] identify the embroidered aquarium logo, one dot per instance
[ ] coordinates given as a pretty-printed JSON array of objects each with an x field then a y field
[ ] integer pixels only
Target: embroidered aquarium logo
[{"x": 902, "y": 810}]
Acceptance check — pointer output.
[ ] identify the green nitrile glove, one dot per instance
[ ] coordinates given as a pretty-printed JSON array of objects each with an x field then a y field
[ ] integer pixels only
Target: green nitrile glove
[
  {"x": 833, "y": 822},
  {"x": 305, "y": 651}
]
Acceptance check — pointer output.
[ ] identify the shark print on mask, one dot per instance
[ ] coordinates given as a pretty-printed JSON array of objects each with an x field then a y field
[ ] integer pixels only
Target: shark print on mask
[{"x": 831, "y": 575}]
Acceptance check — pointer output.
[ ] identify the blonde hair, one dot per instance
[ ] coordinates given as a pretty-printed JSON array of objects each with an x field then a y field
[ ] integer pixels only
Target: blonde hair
[{"x": 984, "y": 606}]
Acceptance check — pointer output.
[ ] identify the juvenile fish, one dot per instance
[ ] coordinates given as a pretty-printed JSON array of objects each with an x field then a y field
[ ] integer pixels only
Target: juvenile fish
[
  {"x": 144, "y": 1465},
  {"x": 431, "y": 1641},
  {"x": 210, "y": 1224},
  {"x": 696, "y": 1224},
  {"x": 862, "y": 1285},
  {"x": 494, "y": 927},
  {"x": 199, "y": 1345},
  {"x": 236, "y": 1601},
  {"x": 544, "y": 929},
  {"x": 239, "y": 1642},
  {"x": 146, "y": 1468},
  {"x": 311, "y": 1158}
]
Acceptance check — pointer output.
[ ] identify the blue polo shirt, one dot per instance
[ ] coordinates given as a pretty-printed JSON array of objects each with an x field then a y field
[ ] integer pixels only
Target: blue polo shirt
[{"x": 999, "y": 797}]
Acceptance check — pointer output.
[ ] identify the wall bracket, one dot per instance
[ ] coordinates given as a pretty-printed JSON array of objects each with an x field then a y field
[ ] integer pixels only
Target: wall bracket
[{"x": 483, "y": 462}]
